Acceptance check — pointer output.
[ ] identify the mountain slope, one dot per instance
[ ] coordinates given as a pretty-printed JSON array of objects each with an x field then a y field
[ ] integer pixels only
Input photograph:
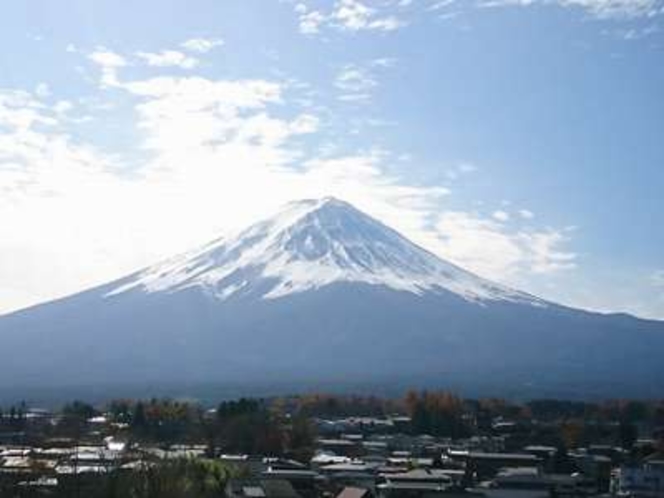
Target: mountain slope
[{"x": 324, "y": 292}]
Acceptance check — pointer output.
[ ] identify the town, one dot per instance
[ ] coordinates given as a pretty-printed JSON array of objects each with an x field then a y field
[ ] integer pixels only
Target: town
[{"x": 426, "y": 444}]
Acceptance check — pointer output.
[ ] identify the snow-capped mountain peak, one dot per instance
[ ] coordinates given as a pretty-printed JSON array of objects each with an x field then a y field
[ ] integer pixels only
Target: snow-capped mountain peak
[{"x": 311, "y": 244}]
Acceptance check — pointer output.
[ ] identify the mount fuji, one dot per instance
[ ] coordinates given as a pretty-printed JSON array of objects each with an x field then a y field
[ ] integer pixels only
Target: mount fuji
[
  {"x": 309, "y": 245},
  {"x": 322, "y": 292}
]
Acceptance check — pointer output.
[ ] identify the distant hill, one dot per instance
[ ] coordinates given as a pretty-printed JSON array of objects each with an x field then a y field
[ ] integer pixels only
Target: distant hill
[{"x": 324, "y": 293}]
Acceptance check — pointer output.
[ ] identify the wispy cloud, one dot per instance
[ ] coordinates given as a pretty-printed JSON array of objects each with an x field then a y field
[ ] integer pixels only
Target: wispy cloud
[
  {"x": 109, "y": 62},
  {"x": 168, "y": 58},
  {"x": 357, "y": 81},
  {"x": 348, "y": 15},
  {"x": 603, "y": 9},
  {"x": 310, "y": 21},
  {"x": 488, "y": 246},
  {"x": 390, "y": 15},
  {"x": 441, "y": 4},
  {"x": 107, "y": 58},
  {"x": 202, "y": 45},
  {"x": 657, "y": 278},
  {"x": 460, "y": 170},
  {"x": 633, "y": 33},
  {"x": 501, "y": 215},
  {"x": 354, "y": 15}
]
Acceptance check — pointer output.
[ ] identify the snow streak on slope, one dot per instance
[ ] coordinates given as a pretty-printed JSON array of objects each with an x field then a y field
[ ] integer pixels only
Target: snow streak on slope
[{"x": 311, "y": 244}]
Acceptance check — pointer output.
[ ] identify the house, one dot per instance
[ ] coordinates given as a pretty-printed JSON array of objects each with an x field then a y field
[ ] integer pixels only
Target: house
[
  {"x": 486, "y": 465},
  {"x": 260, "y": 488},
  {"x": 354, "y": 492},
  {"x": 420, "y": 483},
  {"x": 341, "y": 447},
  {"x": 529, "y": 482},
  {"x": 305, "y": 482},
  {"x": 353, "y": 474},
  {"x": 641, "y": 481}
]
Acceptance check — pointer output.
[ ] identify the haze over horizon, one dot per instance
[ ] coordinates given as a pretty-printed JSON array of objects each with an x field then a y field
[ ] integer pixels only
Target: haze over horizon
[{"x": 519, "y": 140}]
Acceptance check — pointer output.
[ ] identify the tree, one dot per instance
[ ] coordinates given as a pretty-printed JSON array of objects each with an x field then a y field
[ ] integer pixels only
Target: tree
[
  {"x": 120, "y": 410},
  {"x": 627, "y": 434},
  {"x": 74, "y": 417},
  {"x": 138, "y": 419},
  {"x": 246, "y": 426},
  {"x": 562, "y": 464},
  {"x": 79, "y": 409},
  {"x": 436, "y": 413},
  {"x": 571, "y": 433},
  {"x": 302, "y": 437}
]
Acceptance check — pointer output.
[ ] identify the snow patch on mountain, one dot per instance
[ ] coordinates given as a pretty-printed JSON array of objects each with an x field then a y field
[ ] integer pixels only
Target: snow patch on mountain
[{"x": 311, "y": 244}]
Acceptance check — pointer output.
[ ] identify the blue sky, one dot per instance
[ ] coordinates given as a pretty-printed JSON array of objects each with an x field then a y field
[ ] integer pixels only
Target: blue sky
[{"x": 519, "y": 139}]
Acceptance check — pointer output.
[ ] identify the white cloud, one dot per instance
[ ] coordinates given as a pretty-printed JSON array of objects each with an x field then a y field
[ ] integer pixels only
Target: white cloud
[
  {"x": 384, "y": 62},
  {"x": 304, "y": 124},
  {"x": 311, "y": 22},
  {"x": 441, "y": 4},
  {"x": 178, "y": 114},
  {"x": 168, "y": 58},
  {"x": 109, "y": 62},
  {"x": 354, "y": 15},
  {"x": 526, "y": 214},
  {"x": 501, "y": 215},
  {"x": 545, "y": 251},
  {"x": 357, "y": 81},
  {"x": 604, "y": 9},
  {"x": 486, "y": 246},
  {"x": 202, "y": 45},
  {"x": 467, "y": 168},
  {"x": 47, "y": 181},
  {"x": 459, "y": 170},
  {"x": 63, "y": 106},
  {"x": 43, "y": 90},
  {"x": 354, "y": 79},
  {"x": 20, "y": 111},
  {"x": 657, "y": 278},
  {"x": 634, "y": 33},
  {"x": 72, "y": 218},
  {"x": 348, "y": 15},
  {"x": 107, "y": 58},
  {"x": 390, "y": 15}
]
